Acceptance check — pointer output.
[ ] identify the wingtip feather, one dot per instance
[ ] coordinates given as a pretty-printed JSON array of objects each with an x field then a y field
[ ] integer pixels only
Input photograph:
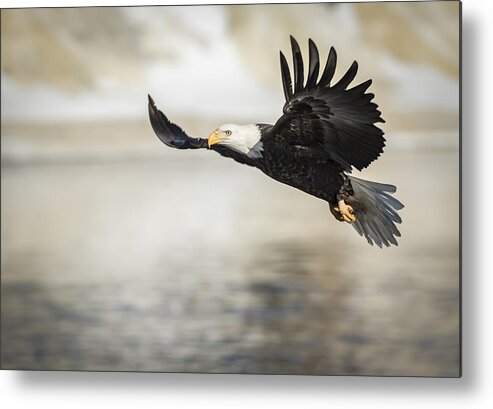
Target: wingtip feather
[
  {"x": 314, "y": 64},
  {"x": 297, "y": 65},
  {"x": 150, "y": 100},
  {"x": 348, "y": 77},
  {"x": 286, "y": 77},
  {"x": 330, "y": 68}
]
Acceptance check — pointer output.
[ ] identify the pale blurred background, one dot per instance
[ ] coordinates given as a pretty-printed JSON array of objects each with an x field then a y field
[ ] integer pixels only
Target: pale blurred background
[{"x": 119, "y": 253}]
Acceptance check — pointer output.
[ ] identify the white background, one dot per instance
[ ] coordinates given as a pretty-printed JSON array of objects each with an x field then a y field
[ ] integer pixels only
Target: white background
[{"x": 132, "y": 390}]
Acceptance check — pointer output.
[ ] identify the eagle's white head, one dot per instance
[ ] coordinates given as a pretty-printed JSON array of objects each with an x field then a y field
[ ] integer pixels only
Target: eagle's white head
[{"x": 244, "y": 139}]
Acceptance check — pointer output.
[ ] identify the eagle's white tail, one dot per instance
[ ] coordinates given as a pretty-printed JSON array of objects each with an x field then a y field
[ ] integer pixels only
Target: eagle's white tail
[{"x": 376, "y": 211}]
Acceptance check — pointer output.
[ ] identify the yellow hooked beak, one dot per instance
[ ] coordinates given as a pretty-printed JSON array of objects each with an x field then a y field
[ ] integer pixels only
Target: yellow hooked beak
[{"x": 215, "y": 137}]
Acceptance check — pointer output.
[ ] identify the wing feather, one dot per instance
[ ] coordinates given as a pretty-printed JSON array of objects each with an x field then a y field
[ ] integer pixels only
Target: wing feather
[
  {"x": 169, "y": 133},
  {"x": 330, "y": 69},
  {"x": 337, "y": 119},
  {"x": 298, "y": 66},
  {"x": 314, "y": 65},
  {"x": 286, "y": 78},
  {"x": 348, "y": 77}
]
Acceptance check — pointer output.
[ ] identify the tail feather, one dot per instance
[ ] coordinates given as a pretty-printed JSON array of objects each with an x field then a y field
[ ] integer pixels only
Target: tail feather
[{"x": 376, "y": 211}]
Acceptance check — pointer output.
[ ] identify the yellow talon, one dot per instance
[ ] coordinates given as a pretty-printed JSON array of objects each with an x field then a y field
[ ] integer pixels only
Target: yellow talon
[
  {"x": 346, "y": 211},
  {"x": 336, "y": 212}
]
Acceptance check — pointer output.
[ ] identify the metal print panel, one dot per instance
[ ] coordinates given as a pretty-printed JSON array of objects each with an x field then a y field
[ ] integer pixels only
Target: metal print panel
[{"x": 179, "y": 196}]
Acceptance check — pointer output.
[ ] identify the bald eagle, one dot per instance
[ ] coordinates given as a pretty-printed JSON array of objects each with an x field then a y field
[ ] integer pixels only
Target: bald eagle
[{"x": 325, "y": 131}]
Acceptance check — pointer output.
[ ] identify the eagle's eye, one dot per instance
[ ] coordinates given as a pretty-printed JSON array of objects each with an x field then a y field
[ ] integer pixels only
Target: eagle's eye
[{"x": 228, "y": 133}]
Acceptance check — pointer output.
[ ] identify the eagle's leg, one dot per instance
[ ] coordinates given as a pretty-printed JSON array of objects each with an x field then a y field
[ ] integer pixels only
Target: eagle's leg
[{"x": 342, "y": 211}]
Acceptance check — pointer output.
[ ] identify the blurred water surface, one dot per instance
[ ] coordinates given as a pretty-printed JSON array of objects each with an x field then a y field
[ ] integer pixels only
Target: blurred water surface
[{"x": 186, "y": 261}]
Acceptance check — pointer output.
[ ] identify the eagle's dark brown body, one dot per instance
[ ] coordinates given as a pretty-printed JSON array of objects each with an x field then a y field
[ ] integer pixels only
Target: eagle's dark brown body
[{"x": 319, "y": 177}]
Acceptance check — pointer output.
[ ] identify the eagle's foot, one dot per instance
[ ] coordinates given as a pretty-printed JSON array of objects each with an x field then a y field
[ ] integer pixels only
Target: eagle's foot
[
  {"x": 336, "y": 212},
  {"x": 343, "y": 212}
]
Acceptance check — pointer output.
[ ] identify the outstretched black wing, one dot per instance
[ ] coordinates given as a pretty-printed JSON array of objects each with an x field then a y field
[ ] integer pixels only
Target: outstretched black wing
[
  {"x": 171, "y": 134},
  {"x": 175, "y": 137},
  {"x": 337, "y": 120}
]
